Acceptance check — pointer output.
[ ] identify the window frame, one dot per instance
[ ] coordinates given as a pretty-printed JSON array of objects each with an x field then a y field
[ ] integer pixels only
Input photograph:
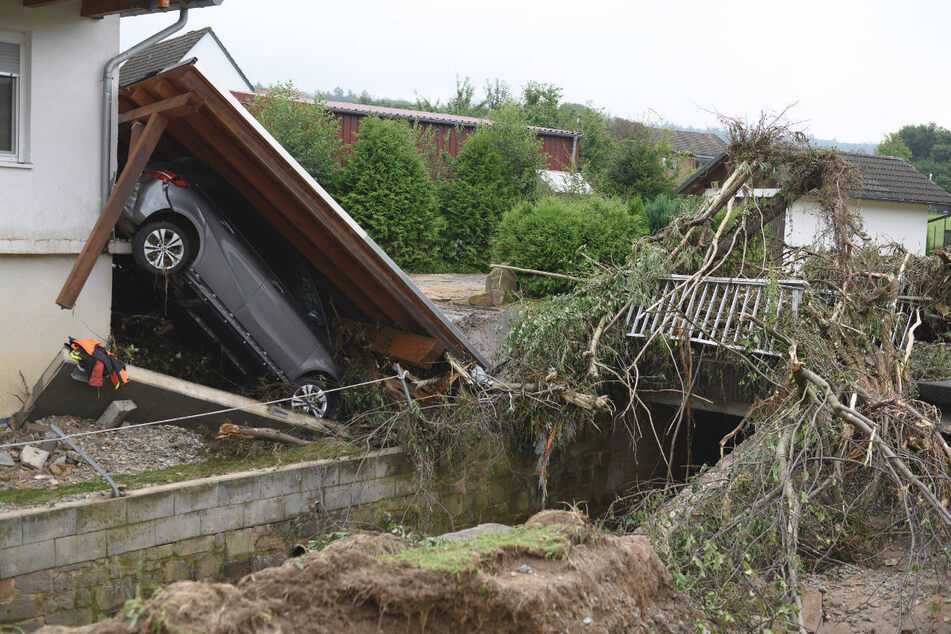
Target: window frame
[{"x": 19, "y": 155}]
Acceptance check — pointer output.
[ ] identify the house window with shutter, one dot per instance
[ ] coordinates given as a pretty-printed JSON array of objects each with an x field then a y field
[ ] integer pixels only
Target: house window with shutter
[{"x": 12, "y": 86}]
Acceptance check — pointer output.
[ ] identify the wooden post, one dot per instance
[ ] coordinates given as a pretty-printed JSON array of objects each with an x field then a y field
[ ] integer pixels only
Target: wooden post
[
  {"x": 139, "y": 156},
  {"x": 134, "y": 135}
]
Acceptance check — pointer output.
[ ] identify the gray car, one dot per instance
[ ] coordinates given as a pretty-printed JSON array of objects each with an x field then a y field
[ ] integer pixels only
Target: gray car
[{"x": 178, "y": 231}]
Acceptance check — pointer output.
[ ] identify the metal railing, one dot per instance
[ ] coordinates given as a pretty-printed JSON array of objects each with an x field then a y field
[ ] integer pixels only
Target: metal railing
[{"x": 719, "y": 311}]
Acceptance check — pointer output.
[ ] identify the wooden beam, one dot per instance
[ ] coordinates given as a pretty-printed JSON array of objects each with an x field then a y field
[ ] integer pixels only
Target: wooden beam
[
  {"x": 101, "y": 8},
  {"x": 405, "y": 346},
  {"x": 134, "y": 134},
  {"x": 170, "y": 108},
  {"x": 138, "y": 158},
  {"x": 41, "y": 3}
]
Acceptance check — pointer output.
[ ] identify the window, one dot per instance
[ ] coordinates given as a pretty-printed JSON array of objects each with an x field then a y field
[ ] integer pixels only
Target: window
[{"x": 12, "y": 96}]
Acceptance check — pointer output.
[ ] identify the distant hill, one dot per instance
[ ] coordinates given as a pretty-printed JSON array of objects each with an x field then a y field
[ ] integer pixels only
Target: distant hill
[{"x": 865, "y": 147}]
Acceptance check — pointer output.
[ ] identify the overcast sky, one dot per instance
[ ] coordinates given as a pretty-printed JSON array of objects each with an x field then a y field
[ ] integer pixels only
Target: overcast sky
[{"x": 855, "y": 69}]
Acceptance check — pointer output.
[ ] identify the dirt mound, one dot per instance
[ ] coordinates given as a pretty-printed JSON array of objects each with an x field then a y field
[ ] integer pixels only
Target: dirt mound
[
  {"x": 550, "y": 516},
  {"x": 371, "y": 544},
  {"x": 602, "y": 582}
]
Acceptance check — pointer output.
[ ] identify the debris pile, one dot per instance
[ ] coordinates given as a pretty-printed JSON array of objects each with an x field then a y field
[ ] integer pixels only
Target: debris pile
[
  {"x": 837, "y": 436},
  {"x": 49, "y": 461}
]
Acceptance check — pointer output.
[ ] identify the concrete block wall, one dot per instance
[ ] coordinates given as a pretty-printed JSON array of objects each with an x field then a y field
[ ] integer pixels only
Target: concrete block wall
[{"x": 78, "y": 562}]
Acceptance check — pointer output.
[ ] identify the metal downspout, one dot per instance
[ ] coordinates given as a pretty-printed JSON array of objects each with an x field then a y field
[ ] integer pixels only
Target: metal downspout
[
  {"x": 108, "y": 79},
  {"x": 574, "y": 153}
]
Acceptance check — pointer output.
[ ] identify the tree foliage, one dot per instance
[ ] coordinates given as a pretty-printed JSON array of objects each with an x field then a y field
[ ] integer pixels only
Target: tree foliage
[
  {"x": 386, "y": 188},
  {"x": 550, "y": 234},
  {"x": 893, "y": 145},
  {"x": 638, "y": 167},
  {"x": 519, "y": 149},
  {"x": 927, "y": 146},
  {"x": 306, "y": 129},
  {"x": 474, "y": 201}
]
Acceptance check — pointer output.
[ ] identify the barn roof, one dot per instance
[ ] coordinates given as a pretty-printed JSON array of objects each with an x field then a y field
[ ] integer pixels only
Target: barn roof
[
  {"x": 364, "y": 282},
  {"x": 345, "y": 107}
]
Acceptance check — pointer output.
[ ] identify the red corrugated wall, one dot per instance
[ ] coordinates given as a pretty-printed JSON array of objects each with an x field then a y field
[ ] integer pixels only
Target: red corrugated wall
[{"x": 451, "y": 138}]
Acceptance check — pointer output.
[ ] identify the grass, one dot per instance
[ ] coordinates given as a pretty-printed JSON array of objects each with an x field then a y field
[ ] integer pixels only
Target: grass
[
  {"x": 181, "y": 473},
  {"x": 550, "y": 542}
]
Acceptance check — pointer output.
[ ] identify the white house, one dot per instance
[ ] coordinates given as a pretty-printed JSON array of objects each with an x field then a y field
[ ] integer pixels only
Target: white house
[
  {"x": 53, "y": 143},
  {"x": 893, "y": 199}
]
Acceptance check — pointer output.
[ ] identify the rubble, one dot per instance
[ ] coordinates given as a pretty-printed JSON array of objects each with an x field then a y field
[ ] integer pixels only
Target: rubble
[
  {"x": 33, "y": 457},
  {"x": 125, "y": 452}
]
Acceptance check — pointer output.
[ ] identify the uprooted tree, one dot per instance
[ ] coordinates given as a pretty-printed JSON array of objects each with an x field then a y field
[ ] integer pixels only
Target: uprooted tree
[{"x": 836, "y": 450}]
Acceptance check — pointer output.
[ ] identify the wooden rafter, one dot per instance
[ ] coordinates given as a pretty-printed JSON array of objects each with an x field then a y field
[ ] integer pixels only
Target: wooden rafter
[
  {"x": 171, "y": 108},
  {"x": 139, "y": 156}
]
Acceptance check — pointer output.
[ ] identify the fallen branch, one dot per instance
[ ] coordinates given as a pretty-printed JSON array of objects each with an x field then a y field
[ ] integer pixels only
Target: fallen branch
[
  {"x": 559, "y": 276},
  {"x": 821, "y": 394},
  {"x": 259, "y": 433}
]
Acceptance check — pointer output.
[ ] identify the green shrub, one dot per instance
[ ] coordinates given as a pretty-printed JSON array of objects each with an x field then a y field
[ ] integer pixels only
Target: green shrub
[
  {"x": 519, "y": 148},
  {"x": 638, "y": 167},
  {"x": 547, "y": 235},
  {"x": 474, "y": 201},
  {"x": 660, "y": 211},
  {"x": 386, "y": 189},
  {"x": 308, "y": 131}
]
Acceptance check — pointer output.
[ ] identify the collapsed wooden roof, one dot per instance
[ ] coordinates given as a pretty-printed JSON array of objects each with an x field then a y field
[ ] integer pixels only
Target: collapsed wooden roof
[{"x": 215, "y": 128}]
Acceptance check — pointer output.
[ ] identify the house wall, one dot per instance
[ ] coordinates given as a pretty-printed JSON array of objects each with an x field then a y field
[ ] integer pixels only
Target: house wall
[
  {"x": 216, "y": 62},
  {"x": 884, "y": 222},
  {"x": 50, "y": 204}
]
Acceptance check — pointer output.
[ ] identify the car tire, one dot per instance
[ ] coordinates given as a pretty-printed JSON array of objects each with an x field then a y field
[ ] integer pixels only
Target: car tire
[
  {"x": 308, "y": 397},
  {"x": 162, "y": 248}
]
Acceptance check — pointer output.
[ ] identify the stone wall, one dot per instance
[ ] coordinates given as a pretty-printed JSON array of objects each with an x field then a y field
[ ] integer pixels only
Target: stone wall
[{"x": 78, "y": 562}]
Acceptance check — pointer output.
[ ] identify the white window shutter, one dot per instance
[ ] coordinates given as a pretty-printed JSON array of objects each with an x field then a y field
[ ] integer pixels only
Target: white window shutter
[{"x": 9, "y": 58}]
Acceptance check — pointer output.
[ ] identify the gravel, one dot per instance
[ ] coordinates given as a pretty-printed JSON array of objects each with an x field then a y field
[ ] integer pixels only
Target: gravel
[{"x": 121, "y": 451}]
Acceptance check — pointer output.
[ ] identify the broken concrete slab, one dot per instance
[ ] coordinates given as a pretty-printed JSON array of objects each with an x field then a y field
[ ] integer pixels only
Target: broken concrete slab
[
  {"x": 116, "y": 414},
  {"x": 33, "y": 457},
  {"x": 6, "y": 460},
  {"x": 50, "y": 440},
  {"x": 158, "y": 397}
]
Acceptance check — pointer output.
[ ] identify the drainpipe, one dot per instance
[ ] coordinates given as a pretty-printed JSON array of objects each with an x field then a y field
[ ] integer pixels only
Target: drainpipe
[
  {"x": 108, "y": 79},
  {"x": 574, "y": 153}
]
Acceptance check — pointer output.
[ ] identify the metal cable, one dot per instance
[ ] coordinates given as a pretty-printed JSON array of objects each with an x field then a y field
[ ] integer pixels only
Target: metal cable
[{"x": 165, "y": 421}]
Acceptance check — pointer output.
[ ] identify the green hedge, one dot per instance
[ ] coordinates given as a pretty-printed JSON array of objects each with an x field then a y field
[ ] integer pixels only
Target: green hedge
[
  {"x": 549, "y": 234},
  {"x": 389, "y": 193},
  {"x": 474, "y": 201}
]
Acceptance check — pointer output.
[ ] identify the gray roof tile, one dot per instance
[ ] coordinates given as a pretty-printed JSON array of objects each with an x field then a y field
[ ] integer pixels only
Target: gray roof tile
[
  {"x": 158, "y": 57},
  {"x": 890, "y": 178},
  {"x": 705, "y": 144}
]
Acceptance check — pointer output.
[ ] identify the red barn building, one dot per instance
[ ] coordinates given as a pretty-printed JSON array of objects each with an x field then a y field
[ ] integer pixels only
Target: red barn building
[{"x": 559, "y": 146}]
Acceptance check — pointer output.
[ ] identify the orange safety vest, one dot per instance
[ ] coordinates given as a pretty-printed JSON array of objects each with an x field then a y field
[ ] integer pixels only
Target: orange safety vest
[{"x": 97, "y": 362}]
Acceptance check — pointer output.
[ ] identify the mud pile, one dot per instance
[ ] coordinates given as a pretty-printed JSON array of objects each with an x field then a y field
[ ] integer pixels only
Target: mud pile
[{"x": 591, "y": 581}]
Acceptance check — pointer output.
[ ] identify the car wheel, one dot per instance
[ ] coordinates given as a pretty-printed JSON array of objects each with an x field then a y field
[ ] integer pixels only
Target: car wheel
[
  {"x": 310, "y": 397},
  {"x": 162, "y": 248}
]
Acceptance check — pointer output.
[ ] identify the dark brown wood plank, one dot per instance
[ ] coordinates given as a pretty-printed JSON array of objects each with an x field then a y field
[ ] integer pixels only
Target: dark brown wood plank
[
  {"x": 41, "y": 3},
  {"x": 404, "y": 346},
  {"x": 99, "y": 236},
  {"x": 100, "y": 8},
  {"x": 172, "y": 108}
]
